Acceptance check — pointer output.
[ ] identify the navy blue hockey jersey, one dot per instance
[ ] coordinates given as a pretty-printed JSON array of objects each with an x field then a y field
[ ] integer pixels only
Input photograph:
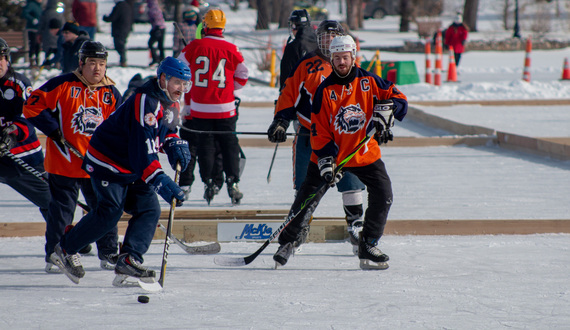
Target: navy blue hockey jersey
[{"x": 125, "y": 147}]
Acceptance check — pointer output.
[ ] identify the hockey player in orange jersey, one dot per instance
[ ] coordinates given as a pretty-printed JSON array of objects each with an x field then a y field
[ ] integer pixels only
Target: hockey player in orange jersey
[
  {"x": 294, "y": 103},
  {"x": 349, "y": 105},
  {"x": 68, "y": 109}
]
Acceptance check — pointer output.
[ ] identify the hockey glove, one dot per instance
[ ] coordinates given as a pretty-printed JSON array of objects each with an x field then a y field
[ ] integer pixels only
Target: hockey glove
[
  {"x": 327, "y": 166},
  {"x": 277, "y": 130},
  {"x": 57, "y": 138},
  {"x": 163, "y": 185},
  {"x": 383, "y": 118},
  {"x": 9, "y": 137},
  {"x": 177, "y": 151}
]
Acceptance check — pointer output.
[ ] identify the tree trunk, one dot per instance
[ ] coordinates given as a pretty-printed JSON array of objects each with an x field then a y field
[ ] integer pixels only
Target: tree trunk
[
  {"x": 286, "y": 9},
  {"x": 405, "y": 12},
  {"x": 352, "y": 14},
  {"x": 263, "y": 15},
  {"x": 470, "y": 14}
]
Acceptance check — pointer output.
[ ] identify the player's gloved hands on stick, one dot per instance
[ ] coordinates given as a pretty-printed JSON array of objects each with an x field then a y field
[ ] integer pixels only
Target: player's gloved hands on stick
[
  {"x": 327, "y": 166},
  {"x": 163, "y": 185},
  {"x": 57, "y": 137},
  {"x": 9, "y": 137},
  {"x": 277, "y": 131},
  {"x": 177, "y": 150},
  {"x": 383, "y": 118}
]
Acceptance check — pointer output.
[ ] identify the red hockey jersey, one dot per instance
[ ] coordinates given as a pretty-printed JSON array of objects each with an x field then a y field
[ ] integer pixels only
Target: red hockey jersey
[{"x": 217, "y": 70}]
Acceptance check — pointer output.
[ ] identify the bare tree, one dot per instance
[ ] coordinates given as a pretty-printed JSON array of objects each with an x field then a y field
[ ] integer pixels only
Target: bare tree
[
  {"x": 263, "y": 15},
  {"x": 406, "y": 13},
  {"x": 354, "y": 15},
  {"x": 470, "y": 14},
  {"x": 286, "y": 9}
]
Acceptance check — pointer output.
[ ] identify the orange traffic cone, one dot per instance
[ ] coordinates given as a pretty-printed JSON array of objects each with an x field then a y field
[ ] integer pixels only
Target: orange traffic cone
[
  {"x": 452, "y": 68},
  {"x": 526, "y": 71},
  {"x": 566, "y": 70}
]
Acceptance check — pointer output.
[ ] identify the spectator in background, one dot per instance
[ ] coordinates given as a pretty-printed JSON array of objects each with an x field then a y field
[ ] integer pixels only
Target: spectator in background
[
  {"x": 50, "y": 23},
  {"x": 32, "y": 13},
  {"x": 156, "y": 32},
  {"x": 455, "y": 36},
  {"x": 188, "y": 27},
  {"x": 85, "y": 14},
  {"x": 73, "y": 38},
  {"x": 121, "y": 19}
]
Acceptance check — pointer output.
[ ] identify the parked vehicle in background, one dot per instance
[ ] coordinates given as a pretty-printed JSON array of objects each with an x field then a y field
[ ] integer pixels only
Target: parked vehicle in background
[
  {"x": 317, "y": 13},
  {"x": 380, "y": 8}
]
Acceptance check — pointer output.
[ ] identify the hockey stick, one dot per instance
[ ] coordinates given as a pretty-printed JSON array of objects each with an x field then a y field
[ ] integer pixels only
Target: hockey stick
[
  {"x": 180, "y": 33},
  {"x": 231, "y": 132},
  {"x": 34, "y": 172},
  {"x": 211, "y": 248},
  {"x": 322, "y": 189},
  {"x": 272, "y": 161},
  {"x": 169, "y": 229}
]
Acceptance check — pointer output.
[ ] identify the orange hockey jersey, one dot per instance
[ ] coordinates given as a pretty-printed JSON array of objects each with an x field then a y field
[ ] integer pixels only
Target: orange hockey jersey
[
  {"x": 296, "y": 96},
  {"x": 67, "y": 103},
  {"x": 342, "y": 115}
]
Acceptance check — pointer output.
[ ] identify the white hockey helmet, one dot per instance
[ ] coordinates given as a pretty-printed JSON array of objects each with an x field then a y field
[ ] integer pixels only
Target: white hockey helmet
[{"x": 343, "y": 44}]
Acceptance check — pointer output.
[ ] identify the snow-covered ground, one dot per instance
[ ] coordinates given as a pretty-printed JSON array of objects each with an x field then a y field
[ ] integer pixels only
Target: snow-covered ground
[{"x": 434, "y": 282}]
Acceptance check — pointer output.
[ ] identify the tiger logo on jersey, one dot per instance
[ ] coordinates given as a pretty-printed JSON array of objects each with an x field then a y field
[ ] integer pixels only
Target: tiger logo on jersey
[
  {"x": 349, "y": 119},
  {"x": 86, "y": 120}
]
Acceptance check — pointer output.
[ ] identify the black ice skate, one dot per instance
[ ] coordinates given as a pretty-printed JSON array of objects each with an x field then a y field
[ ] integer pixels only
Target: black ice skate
[
  {"x": 210, "y": 190},
  {"x": 301, "y": 238},
  {"x": 68, "y": 263},
  {"x": 283, "y": 253},
  {"x": 127, "y": 267},
  {"x": 370, "y": 256},
  {"x": 233, "y": 191},
  {"x": 108, "y": 261},
  {"x": 354, "y": 230}
]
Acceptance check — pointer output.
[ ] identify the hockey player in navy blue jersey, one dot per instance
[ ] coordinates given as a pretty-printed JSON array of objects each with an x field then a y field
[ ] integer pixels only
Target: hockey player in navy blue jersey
[
  {"x": 18, "y": 139},
  {"x": 122, "y": 160}
]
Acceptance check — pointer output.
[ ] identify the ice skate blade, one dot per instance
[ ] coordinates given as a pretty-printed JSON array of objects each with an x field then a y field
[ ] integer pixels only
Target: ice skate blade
[
  {"x": 106, "y": 266},
  {"x": 59, "y": 263},
  {"x": 52, "y": 268},
  {"x": 371, "y": 265}
]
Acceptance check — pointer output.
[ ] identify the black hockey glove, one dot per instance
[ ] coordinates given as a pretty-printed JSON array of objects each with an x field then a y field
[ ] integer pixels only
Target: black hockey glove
[
  {"x": 177, "y": 151},
  {"x": 327, "y": 166},
  {"x": 57, "y": 138},
  {"x": 383, "y": 118},
  {"x": 9, "y": 137},
  {"x": 277, "y": 130},
  {"x": 163, "y": 185}
]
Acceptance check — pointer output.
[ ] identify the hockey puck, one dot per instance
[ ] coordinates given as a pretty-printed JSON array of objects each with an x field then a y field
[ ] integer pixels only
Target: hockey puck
[{"x": 143, "y": 299}]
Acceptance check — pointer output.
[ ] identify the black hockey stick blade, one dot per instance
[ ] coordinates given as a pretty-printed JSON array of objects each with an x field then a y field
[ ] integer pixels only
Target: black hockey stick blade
[{"x": 211, "y": 248}]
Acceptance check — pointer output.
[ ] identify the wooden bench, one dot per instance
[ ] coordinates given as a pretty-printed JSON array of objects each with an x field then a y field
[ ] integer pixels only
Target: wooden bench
[{"x": 18, "y": 42}]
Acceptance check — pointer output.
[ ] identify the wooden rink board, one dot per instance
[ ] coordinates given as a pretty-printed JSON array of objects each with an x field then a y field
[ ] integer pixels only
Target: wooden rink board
[{"x": 199, "y": 226}]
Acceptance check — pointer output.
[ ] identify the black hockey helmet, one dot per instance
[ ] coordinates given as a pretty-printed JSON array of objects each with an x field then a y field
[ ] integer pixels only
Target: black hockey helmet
[
  {"x": 326, "y": 31},
  {"x": 92, "y": 49},
  {"x": 4, "y": 49},
  {"x": 298, "y": 18}
]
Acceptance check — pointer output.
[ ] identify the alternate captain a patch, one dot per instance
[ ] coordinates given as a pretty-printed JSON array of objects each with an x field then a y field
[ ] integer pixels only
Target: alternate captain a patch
[{"x": 350, "y": 119}]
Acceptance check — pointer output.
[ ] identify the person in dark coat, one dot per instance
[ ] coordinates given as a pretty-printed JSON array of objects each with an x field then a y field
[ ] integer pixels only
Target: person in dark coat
[
  {"x": 32, "y": 13},
  {"x": 121, "y": 19},
  {"x": 50, "y": 23},
  {"x": 303, "y": 40},
  {"x": 73, "y": 39}
]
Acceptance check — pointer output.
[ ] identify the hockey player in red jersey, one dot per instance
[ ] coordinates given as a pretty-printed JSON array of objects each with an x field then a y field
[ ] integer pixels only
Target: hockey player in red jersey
[
  {"x": 122, "y": 160},
  {"x": 294, "y": 103},
  {"x": 68, "y": 109},
  {"x": 348, "y": 106},
  {"x": 18, "y": 137},
  {"x": 217, "y": 72}
]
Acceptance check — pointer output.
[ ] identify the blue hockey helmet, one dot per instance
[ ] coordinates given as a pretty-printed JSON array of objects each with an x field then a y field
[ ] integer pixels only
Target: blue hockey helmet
[{"x": 173, "y": 67}]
